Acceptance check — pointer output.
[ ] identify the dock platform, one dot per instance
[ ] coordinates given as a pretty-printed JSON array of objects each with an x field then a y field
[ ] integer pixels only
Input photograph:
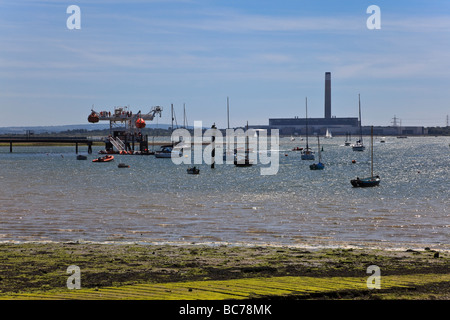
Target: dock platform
[{"x": 33, "y": 139}]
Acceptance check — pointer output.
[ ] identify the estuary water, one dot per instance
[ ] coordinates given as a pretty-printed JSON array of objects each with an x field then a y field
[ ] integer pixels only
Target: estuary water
[{"x": 48, "y": 195}]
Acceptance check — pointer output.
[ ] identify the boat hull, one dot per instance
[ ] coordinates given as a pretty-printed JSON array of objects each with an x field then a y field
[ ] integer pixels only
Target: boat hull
[
  {"x": 163, "y": 154},
  {"x": 317, "y": 166},
  {"x": 307, "y": 156},
  {"x": 104, "y": 159},
  {"x": 358, "y": 148},
  {"x": 366, "y": 182},
  {"x": 193, "y": 170}
]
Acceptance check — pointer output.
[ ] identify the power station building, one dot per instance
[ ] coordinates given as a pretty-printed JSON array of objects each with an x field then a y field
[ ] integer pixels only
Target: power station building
[{"x": 337, "y": 126}]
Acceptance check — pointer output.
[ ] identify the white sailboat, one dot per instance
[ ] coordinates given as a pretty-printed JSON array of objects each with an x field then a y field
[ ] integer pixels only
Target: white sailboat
[
  {"x": 347, "y": 140},
  {"x": 328, "y": 134}
]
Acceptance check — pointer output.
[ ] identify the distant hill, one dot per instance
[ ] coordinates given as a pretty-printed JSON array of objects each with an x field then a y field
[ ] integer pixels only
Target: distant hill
[{"x": 62, "y": 128}]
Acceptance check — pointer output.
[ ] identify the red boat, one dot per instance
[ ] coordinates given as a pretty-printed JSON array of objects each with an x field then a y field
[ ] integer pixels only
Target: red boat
[{"x": 104, "y": 159}]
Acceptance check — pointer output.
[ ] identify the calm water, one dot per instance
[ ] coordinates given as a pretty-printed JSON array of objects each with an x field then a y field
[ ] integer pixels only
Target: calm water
[{"x": 48, "y": 195}]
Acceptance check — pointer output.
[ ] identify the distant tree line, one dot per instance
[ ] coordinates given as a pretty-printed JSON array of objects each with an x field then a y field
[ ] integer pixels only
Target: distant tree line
[
  {"x": 103, "y": 132},
  {"x": 433, "y": 131}
]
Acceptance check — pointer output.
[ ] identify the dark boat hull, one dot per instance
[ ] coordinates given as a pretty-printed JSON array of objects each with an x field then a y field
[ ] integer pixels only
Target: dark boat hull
[
  {"x": 193, "y": 170},
  {"x": 365, "y": 183},
  {"x": 317, "y": 166}
]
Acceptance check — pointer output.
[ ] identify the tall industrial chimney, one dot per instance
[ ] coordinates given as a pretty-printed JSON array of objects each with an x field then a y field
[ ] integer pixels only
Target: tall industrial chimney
[{"x": 327, "y": 95}]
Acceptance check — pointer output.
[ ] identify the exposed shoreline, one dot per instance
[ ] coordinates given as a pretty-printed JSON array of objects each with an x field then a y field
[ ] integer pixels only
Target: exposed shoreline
[{"x": 40, "y": 267}]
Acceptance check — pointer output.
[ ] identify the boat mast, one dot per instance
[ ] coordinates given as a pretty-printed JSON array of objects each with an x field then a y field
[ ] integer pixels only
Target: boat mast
[
  {"x": 184, "y": 115},
  {"x": 318, "y": 146},
  {"x": 360, "y": 127},
  {"x": 228, "y": 113},
  {"x": 371, "y": 143},
  {"x": 307, "y": 147},
  {"x": 172, "y": 116}
]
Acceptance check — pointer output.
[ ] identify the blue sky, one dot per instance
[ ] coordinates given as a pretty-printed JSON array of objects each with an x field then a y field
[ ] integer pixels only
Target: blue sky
[{"x": 266, "y": 56}]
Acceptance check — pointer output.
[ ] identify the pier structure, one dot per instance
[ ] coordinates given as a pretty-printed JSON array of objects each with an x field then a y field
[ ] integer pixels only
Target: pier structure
[
  {"x": 125, "y": 129},
  {"x": 32, "y": 139}
]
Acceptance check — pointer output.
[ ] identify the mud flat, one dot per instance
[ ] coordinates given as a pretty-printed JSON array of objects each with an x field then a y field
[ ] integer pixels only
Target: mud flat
[{"x": 41, "y": 268}]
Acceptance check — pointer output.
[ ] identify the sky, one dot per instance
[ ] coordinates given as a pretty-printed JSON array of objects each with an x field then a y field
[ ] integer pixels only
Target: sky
[{"x": 266, "y": 56}]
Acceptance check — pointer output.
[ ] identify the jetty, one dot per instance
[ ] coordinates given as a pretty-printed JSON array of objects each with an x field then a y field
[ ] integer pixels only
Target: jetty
[{"x": 35, "y": 139}]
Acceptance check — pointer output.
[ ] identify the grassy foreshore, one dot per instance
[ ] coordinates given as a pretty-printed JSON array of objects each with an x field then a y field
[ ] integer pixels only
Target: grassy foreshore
[{"x": 40, "y": 268}]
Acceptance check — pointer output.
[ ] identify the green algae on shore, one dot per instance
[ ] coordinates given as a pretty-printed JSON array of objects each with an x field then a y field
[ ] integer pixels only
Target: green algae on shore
[{"x": 40, "y": 267}]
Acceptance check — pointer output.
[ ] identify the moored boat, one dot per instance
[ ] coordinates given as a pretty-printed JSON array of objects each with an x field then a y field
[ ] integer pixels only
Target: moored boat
[
  {"x": 165, "y": 151},
  {"x": 307, "y": 153},
  {"x": 319, "y": 165},
  {"x": 359, "y": 146},
  {"x": 193, "y": 170},
  {"x": 371, "y": 181},
  {"x": 123, "y": 165},
  {"x": 106, "y": 158},
  {"x": 366, "y": 182}
]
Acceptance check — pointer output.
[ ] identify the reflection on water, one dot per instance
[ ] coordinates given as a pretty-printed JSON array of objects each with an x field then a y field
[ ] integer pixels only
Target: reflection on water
[{"x": 46, "y": 194}]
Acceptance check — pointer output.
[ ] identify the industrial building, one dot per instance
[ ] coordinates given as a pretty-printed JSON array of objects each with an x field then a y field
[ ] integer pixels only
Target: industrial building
[{"x": 337, "y": 126}]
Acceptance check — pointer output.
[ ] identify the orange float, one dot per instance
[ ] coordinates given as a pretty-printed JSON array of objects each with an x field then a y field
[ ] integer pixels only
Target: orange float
[
  {"x": 93, "y": 117},
  {"x": 140, "y": 123}
]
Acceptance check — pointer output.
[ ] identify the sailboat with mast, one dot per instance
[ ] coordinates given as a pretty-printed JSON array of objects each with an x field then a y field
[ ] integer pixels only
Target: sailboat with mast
[
  {"x": 347, "y": 140},
  {"x": 307, "y": 153},
  {"x": 228, "y": 153},
  {"x": 244, "y": 162},
  {"x": 371, "y": 181},
  {"x": 319, "y": 165},
  {"x": 359, "y": 146}
]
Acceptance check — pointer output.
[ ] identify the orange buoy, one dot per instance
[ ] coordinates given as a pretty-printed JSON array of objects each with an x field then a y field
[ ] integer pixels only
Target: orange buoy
[
  {"x": 93, "y": 117},
  {"x": 140, "y": 123},
  {"x": 353, "y": 161}
]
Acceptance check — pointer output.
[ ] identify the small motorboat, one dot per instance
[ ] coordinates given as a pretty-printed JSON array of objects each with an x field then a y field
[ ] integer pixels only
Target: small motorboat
[
  {"x": 123, "y": 165},
  {"x": 104, "y": 159},
  {"x": 193, "y": 170},
  {"x": 81, "y": 157},
  {"x": 166, "y": 152},
  {"x": 297, "y": 149}
]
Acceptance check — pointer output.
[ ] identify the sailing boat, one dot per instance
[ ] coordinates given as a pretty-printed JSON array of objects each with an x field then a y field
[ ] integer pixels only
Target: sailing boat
[
  {"x": 359, "y": 146},
  {"x": 307, "y": 153},
  {"x": 328, "y": 135},
  {"x": 246, "y": 162},
  {"x": 228, "y": 152},
  {"x": 370, "y": 181},
  {"x": 320, "y": 165},
  {"x": 347, "y": 140}
]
